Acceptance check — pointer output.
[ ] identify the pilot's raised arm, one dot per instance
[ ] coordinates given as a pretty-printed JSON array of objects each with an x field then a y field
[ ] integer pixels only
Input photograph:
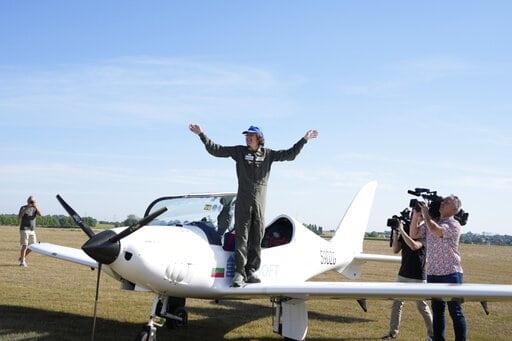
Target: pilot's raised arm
[
  {"x": 291, "y": 154},
  {"x": 212, "y": 147}
]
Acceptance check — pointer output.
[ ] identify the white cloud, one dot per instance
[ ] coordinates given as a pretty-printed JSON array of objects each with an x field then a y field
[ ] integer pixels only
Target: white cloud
[{"x": 135, "y": 90}]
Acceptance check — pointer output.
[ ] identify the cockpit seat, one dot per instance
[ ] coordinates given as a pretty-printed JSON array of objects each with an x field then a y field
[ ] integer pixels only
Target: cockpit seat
[
  {"x": 210, "y": 232},
  {"x": 229, "y": 241}
]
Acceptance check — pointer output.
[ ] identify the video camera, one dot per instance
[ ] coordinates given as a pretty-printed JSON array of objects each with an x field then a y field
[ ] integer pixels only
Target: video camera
[
  {"x": 432, "y": 201},
  {"x": 393, "y": 222}
]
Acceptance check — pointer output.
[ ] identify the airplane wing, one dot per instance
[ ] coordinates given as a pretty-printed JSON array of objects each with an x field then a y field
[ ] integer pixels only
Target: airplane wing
[
  {"x": 65, "y": 253},
  {"x": 374, "y": 290},
  {"x": 353, "y": 270}
]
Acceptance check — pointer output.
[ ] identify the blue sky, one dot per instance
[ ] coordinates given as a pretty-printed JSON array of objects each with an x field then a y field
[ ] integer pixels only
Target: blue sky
[{"x": 96, "y": 97}]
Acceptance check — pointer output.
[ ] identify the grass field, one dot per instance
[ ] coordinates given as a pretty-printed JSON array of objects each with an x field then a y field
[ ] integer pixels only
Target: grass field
[{"x": 53, "y": 300}]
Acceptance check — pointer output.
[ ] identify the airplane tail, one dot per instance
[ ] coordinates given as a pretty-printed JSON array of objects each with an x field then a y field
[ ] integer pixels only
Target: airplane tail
[{"x": 350, "y": 233}]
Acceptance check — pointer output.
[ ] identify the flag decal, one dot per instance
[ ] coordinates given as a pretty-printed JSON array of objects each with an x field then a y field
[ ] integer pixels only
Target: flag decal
[{"x": 218, "y": 272}]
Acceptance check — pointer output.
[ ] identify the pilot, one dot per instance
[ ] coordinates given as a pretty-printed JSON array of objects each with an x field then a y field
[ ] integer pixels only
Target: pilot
[{"x": 253, "y": 163}]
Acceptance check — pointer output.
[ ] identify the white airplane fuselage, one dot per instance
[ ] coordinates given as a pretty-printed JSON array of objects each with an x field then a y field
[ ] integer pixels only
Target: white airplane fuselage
[{"x": 179, "y": 261}]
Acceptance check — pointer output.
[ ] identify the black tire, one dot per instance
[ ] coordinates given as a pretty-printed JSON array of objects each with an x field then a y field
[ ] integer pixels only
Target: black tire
[
  {"x": 174, "y": 324},
  {"x": 181, "y": 312}
]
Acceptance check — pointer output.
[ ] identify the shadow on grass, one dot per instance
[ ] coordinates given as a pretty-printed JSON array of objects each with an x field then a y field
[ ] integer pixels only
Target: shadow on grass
[{"x": 37, "y": 324}]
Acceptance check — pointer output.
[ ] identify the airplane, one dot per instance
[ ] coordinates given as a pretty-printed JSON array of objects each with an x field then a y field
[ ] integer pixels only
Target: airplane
[{"x": 187, "y": 251}]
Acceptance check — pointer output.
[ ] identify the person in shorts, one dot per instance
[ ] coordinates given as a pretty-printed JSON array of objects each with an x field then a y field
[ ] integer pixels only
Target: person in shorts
[{"x": 27, "y": 217}]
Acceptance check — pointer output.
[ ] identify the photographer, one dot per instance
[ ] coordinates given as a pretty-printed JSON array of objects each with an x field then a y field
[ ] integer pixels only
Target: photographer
[
  {"x": 27, "y": 216},
  {"x": 443, "y": 260},
  {"x": 412, "y": 270}
]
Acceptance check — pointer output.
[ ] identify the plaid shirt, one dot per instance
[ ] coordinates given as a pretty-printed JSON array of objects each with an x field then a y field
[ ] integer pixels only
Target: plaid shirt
[{"x": 443, "y": 257}]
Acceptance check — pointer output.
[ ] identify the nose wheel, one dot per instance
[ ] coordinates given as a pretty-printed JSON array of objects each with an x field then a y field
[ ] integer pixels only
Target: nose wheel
[{"x": 148, "y": 333}]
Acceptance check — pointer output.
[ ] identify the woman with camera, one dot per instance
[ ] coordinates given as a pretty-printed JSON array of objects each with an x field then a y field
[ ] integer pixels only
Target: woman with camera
[{"x": 412, "y": 270}]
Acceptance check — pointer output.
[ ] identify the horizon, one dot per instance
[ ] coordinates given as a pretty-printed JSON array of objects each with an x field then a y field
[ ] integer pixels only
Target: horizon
[{"x": 96, "y": 99}]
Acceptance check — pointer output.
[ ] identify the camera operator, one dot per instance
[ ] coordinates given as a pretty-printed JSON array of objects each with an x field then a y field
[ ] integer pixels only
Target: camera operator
[
  {"x": 412, "y": 270},
  {"x": 443, "y": 260}
]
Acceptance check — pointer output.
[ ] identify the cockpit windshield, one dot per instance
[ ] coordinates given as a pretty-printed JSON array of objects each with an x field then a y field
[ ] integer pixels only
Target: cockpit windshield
[{"x": 213, "y": 210}]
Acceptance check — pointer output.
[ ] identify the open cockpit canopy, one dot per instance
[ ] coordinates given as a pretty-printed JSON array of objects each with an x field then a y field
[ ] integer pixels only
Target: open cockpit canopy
[
  {"x": 213, "y": 214},
  {"x": 213, "y": 210}
]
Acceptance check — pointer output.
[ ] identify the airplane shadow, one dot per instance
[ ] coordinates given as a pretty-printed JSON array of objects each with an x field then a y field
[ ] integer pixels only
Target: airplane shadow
[{"x": 37, "y": 324}]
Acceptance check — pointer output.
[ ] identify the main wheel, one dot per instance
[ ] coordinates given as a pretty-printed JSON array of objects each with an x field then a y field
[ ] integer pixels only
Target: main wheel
[{"x": 174, "y": 324}]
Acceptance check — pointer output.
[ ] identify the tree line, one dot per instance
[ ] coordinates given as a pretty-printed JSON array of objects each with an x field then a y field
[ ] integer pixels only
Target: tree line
[
  {"x": 316, "y": 229},
  {"x": 48, "y": 221},
  {"x": 63, "y": 221},
  {"x": 465, "y": 238}
]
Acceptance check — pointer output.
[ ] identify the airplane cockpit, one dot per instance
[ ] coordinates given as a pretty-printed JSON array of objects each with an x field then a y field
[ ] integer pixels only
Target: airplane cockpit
[
  {"x": 213, "y": 214},
  {"x": 277, "y": 233}
]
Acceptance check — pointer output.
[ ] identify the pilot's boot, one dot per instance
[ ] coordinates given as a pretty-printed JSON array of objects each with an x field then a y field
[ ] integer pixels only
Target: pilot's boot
[
  {"x": 252, "y": 278},
  {"x": 238, "y": 280}
]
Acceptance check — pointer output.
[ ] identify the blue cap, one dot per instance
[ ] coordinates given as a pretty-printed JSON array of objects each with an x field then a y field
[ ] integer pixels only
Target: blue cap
[{"x": 254, "y": 130}]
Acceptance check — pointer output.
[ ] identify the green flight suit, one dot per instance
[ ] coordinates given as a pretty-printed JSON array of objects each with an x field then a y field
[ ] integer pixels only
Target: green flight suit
[{"x": 253, "y": 170}]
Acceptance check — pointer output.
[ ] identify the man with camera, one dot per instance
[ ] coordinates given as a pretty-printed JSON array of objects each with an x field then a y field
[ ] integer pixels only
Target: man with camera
[
  {"x": 27, "y": 217},
  {"x": 443, "y": 260},
  {"x": 412, "y": 270}
]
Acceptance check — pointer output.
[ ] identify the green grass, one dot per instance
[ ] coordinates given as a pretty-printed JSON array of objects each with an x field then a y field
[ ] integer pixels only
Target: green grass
[{"x": 53, "y": 300}]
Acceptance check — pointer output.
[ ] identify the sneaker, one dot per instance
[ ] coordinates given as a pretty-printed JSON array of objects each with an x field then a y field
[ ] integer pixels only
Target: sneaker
[
  {"x": 23, "y": 264},
  {"x": 388, "y": 336},
  {"x": 252, "y": 278},
  {"x": 238, "y": 280}
]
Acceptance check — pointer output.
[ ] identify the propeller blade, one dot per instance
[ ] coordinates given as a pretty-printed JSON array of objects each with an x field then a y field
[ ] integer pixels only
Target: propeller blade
[
  {"x": 144, "y": 221},
  {"x": 76, "y": 218},
  {"x": 96, "y": 301}
]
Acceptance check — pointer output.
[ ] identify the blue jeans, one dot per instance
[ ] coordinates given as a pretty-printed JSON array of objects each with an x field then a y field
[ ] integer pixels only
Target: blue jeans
[{"x": 454, "y": 307}]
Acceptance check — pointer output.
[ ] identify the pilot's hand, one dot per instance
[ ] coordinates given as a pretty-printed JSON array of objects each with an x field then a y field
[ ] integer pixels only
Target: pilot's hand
[
  {"x": 311, "y": 134},
  {"x": 195, "y": 128}
]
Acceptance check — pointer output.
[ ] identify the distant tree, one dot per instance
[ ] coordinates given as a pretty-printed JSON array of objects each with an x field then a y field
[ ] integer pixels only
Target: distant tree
[
  {"x": 313, "y": 227},
  {"x": 90, "y": 221},
  {"x": 130, "y": 220}
]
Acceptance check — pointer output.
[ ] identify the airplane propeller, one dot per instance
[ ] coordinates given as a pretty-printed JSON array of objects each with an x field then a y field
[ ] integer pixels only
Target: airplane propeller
[{"x": 104, "y": 247}]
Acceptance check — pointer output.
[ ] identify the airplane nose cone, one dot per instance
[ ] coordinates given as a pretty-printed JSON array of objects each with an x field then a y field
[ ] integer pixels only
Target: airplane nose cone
[{"x": 101, "y": 249}]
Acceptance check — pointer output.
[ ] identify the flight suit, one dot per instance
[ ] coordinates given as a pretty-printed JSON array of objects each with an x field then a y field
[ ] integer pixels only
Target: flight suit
[{"x": 252, "y": 169}]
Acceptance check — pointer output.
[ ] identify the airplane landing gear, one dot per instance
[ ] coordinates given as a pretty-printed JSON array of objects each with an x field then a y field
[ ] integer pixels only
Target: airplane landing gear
[
  {"x": 164, "y": 310},
  {"x": 148, "y": 333},
  {"x": 290, "y": 317},
  {"x": 175, "y": 314}
]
